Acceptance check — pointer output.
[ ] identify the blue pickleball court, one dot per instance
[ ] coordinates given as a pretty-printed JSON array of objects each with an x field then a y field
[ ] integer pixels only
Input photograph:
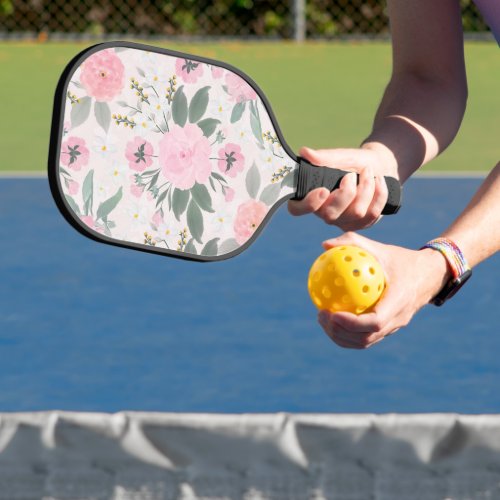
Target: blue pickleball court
[{"x": 91, "y": 327}]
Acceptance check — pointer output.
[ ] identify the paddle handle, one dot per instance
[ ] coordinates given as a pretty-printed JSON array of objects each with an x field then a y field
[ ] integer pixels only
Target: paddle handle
[{"x": 311, "y": 177}]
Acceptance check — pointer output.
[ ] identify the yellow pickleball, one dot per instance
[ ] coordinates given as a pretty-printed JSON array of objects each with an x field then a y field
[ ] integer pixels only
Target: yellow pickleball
[{"x": 346, "y": 278}]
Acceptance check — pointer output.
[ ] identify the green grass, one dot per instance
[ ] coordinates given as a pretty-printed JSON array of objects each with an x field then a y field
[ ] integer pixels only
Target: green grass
[{"x": 323, "y": 94}]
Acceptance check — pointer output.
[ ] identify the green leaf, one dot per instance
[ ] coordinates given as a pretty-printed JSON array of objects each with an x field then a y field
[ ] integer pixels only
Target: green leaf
[
  {"x": 162, "y": 196},
  {"x": 63, "y": 171},
  {"x": 190, "y": 248},
  {"x": 289, "y": 180},
  {"x": 122, "y": 104},
  {"x": 270, "y": 194},
  {"x": 252, "y": 181},
  {"x": 219, "y": 177},
  {"x": 72, "y": 204},
  {"x": 208, "y": 126},
  {"x": 198, "y": 104},
  {"x": 210, "y": 249},
  {"x": 88, "y": 192},
  {"x": 80, "y": 111},
  {"x": 255, "y": 122},
  {"x": 202, "y": 197},
  {"x": 228, "y": 246},
  {"x": 180, "y": 200},
  {"x": 237, "y": 112},
  {"x": 102, "y": 115},
  {"x": 107, "y": 206},
  {"x": 179, "y": 107},
  {"x": 153, "y": 180},
  {"x": 120, "y": 49},
  {"x": 141, "y": 72},
  {"x": 195, "y": 221}
]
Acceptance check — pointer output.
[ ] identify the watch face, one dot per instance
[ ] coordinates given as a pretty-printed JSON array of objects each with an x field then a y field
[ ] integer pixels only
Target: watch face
[{"x": 451, "y": 288}]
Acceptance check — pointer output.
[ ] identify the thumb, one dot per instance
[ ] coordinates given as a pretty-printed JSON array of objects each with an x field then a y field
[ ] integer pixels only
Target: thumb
[{"x": 340, "y": 157}]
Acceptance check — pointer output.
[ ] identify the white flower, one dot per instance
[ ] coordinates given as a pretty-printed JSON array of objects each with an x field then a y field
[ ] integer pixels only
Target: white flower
[
  {"x": 136, "y": 214},
  {"x": 104, "y": 145},
  {"x": 119, "y": 172},
  {"x": 222, "y": 219}
]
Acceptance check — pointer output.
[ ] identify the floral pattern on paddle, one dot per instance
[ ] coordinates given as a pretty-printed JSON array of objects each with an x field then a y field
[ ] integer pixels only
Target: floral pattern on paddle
[{"x": 169, "y": 152}]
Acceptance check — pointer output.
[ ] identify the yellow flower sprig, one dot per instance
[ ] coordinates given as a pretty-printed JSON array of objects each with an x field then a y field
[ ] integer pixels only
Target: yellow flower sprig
[
  {"x": 148, "y": 239},
  {"x": 280, "y": 174},
  {"x": 171, "y": 89},
  {"x": 72, "y": 98},
  {"x": 139, "y": 91},
  {"x": 271, "y": 138},
  {"x": 127, "y": 122},
  {"x": 183, "y": 239}
]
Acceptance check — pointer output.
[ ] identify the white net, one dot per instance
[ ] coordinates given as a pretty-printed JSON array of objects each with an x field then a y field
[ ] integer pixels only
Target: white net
[{"x": 154, "y": 456}]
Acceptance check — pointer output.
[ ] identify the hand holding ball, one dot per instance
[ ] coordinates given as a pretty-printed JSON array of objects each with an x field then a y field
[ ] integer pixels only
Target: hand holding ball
[{"x": 346, "y": 278}]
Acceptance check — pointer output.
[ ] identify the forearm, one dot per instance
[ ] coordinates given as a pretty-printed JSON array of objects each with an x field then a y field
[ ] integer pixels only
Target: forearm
[
  {"x": 477, "y": 230},
  {"x": 416, "y": 120}
]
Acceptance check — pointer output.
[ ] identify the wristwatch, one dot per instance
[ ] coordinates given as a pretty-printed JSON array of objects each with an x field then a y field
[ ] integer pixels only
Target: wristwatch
[{"x": 460, "y": 270}]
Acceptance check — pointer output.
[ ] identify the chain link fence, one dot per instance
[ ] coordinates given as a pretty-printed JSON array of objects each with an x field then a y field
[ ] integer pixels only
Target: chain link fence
[{"x": 283, "y": 19}]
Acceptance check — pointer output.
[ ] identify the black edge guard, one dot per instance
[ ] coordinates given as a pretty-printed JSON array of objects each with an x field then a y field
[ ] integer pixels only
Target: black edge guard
[{"x": 312, "y": 177}]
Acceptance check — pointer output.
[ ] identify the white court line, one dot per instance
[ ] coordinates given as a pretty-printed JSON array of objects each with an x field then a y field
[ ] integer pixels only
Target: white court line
[{"x": 454, "y": 174}]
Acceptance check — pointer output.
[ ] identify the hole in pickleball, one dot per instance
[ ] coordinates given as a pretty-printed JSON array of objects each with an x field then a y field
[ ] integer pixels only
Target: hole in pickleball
[
  {"x": 330, "y": 268},
  {"x": 327, "y": 293},
  {"x": 337, "y": 306},
  {"x": 317, "y": 300},
  {"x": 339, "y": 281},
  {"x": 317, "y": 276},
  {"x": 379, "y": 287},
  {"x": 362, "y": 254},
  {"x": 346, "y": 299},
  {"x": 366, "y": 289},
  {"x": 372, "y": 270},
  {"x": 356, "y": 273},
  {"x": 348, "y": 258},
  {"x": 360, "y": 309}
]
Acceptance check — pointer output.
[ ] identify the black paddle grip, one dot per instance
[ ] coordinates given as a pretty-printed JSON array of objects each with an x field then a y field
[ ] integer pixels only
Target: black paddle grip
[{"x": 311, "y": 177}]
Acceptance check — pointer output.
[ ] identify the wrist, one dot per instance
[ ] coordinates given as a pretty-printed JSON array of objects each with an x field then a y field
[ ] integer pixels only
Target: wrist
[
  {"x": 437, "y": 272},
  {"x": 386, "y": 156}
]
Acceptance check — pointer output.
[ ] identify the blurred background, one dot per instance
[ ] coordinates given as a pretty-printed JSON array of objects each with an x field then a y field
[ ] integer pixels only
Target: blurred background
[{"x": 282, "y": 19}]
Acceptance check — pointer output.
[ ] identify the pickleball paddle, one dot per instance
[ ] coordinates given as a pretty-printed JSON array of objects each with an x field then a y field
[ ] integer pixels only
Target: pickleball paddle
[{"x": 171, "y": 153}]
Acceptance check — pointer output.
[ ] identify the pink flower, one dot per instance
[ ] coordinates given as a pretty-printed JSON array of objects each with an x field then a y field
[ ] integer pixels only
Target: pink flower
[
  {"x": 157, "y": 219},
  {"x": 248, "y": 218},
  {"x": 238, "y": 89},
  {"x": 188, "y": 70},
  {"x": 74, "y": 154},
  {"x": 229, "y": 194},
  {"x": 185, "y": 156},
  {"x": 103, "y": 75},
  {"x": 139, "y": 154},
  {"x": 90, "y": 222},
  {"x": 73, "y": 187},
  {"x": 231, "y": 161},
  {"x": 136, "y": 190},
  {"x": 217, "y": 71}
]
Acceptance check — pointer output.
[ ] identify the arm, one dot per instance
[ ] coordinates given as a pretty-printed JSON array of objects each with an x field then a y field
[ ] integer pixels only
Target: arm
[
  {"x": 419, "y": 114},
  {"x": 415, "y": 277}
]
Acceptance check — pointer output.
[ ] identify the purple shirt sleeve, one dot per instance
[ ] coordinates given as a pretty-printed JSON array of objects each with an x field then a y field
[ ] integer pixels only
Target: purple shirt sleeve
[{"x": 490, "y": 9}]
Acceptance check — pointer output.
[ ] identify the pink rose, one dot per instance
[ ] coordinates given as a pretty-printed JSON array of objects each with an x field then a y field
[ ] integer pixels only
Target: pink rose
[
  {"x": 248, "y": 218},
  {"x": 188, "y": 70},
  {"x": 139, "y": 154},
  {"x": 74, "y": 154},
  {"x": 89, "y": 221},
  {"x": 103, "y": 75},
  {"x": 185, "y": 156},
  {"x": 231, "y": 161},
  {"x": 73, "y": 187},
  {"x": 238, "y": 89},
  {"x": 229, "y": 194},
  {"x": 136, "y": 190},
  {"x": 217, "y": 71}
]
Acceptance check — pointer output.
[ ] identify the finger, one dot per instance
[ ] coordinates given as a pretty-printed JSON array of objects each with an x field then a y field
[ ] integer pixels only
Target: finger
[
  {"x": 365, "y": 191},
  {"x": 348, "y": 238},
  {"x": 338, "y": 201},
  {"x": 380, "y": 195},
  {"x": 338, "y": 334},
  {"x": 311, "y": 203},
  {"x": 350, "y": 158}
]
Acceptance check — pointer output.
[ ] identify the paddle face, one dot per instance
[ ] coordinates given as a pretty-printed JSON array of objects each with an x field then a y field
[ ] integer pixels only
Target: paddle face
[{"x": 166, "y": 152}]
